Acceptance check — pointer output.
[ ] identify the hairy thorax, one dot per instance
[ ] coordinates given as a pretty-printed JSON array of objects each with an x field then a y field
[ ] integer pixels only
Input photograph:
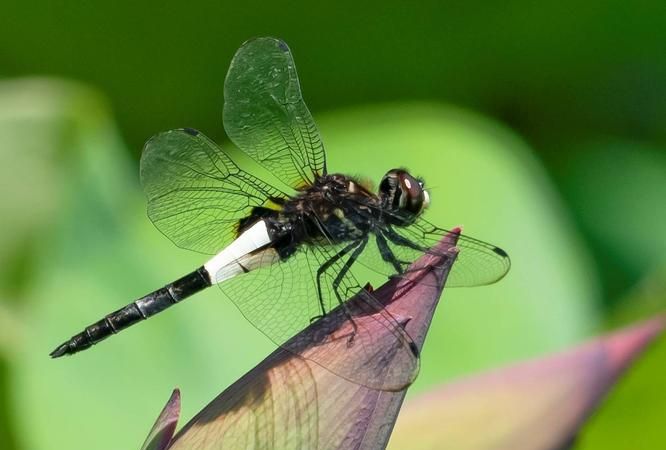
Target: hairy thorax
[{"x": 334, "y": 209}]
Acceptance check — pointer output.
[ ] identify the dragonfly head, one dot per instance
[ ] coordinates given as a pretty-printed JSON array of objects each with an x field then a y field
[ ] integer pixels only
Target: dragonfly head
[{"x": 403, "y": 195}]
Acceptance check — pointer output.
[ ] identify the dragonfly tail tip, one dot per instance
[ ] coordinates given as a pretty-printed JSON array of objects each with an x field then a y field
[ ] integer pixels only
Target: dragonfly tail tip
[{"x": 61, "y": 350}]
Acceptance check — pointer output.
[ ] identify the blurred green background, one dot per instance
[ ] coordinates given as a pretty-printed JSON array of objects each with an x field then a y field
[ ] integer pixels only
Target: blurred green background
[{"x": 538, "y": 125}]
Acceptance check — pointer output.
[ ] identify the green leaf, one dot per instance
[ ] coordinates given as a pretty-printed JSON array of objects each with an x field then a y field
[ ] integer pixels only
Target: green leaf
[{"x": 605, "y": 179}]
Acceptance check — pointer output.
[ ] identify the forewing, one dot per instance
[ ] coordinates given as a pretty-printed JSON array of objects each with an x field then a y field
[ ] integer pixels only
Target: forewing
[
  {"x": 392, "y": 249},
  {"x": 478, "y": 263},
  {"x": 196, "y": 194},
  {"x": 282, "y": 299},
  {"x": 265, "y": 115}
]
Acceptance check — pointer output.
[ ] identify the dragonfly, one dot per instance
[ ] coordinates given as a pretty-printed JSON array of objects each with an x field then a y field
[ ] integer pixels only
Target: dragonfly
[{"x": 287, "y": 255}]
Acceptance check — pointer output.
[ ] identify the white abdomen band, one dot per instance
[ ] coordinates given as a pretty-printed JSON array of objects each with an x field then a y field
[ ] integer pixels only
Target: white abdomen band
[{"x": 236, "y": 257}]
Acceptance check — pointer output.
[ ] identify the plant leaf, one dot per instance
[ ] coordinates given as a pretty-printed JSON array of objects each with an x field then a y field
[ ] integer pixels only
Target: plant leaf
[
  {"x": 162, "y": 432},
  {"x": 534, "y": 405},
  {"x": 289, "y": 402}
]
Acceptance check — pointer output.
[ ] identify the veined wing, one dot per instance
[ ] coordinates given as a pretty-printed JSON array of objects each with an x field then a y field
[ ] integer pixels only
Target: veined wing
[
  {"x": 392, "y": 249},
  {"x": 478, "y": 263},
  {"x": 196, "y": 193},
  {"x": 283, "y": 299},
  {"x": 265, "y": 115}
]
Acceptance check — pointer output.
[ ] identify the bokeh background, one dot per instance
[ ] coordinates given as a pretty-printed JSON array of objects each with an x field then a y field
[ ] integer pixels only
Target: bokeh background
[{"x": 539, "y": 126}]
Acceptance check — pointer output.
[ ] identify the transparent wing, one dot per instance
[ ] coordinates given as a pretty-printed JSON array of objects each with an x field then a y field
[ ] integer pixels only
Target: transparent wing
[
  {"x": 283, "y": 299},
  {"x": 392, "y": 249},
  {"x": 478, "y": 263},
  {"x": 196, "y": 194},
  {"x": 265, "y": 115}
]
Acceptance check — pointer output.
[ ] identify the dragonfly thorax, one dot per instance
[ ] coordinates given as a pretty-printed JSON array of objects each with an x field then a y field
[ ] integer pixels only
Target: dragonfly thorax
[{"x": 335, "y": 208}]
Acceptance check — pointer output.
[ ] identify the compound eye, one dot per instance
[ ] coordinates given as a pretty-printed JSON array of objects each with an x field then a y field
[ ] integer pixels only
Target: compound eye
[
  {"x": 413, "y": 196},
  {"x": 389, "y": 188},
  {"x": 403, "y": 195}
]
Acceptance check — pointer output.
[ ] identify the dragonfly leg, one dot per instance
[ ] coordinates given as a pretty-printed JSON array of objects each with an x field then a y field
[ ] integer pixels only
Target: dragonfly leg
[
  {"x": 338, "y": 279},
  {"x": 322, "y": 269},
  {"x": 387, "y": 254},
  {"x": 400, "y": 240}
]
